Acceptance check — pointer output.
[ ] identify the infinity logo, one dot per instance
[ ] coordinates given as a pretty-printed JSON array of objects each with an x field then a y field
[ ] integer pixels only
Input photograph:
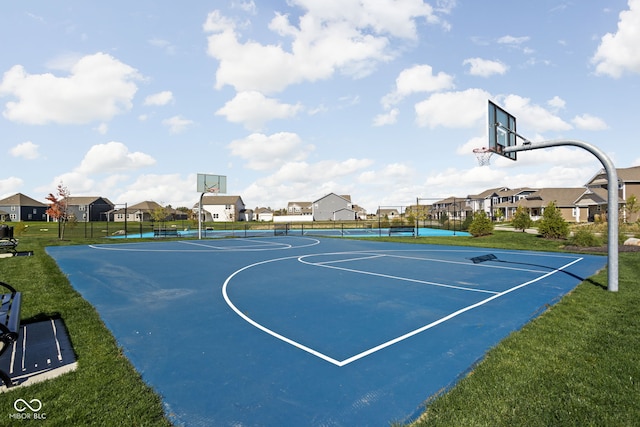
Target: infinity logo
[{"x": 21, "y": 405}]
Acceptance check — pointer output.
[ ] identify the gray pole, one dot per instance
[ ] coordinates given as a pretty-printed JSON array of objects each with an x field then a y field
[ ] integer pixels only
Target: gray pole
[
  {"x": 200, "y": 217},
  {"x": 612, "y": 188}
]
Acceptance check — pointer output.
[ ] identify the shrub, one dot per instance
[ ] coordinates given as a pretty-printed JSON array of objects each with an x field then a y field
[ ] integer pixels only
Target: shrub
[
  {"x": 521, "y": 219},
  {"x": 481, "y": 225},
  {"x": 552, "y": 225},
  {"x": 585, "y": 238}
]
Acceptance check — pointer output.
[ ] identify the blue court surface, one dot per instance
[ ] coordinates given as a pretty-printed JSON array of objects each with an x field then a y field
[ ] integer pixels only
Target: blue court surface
[{"x": 301, "y": 331}]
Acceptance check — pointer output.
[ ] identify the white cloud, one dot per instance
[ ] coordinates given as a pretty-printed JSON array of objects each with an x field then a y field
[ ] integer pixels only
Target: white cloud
[
  {"x": 512, "y": 40},
  {"x": 533, "y": 116},
  {"x": 388, "y": 118},
  {"x": 556, "y": 103},
  {"x": 165, "y": 45},
  {"x": 253, "y": 110},
  {"x": 10, "y": 186},
  {"x": 177, "y": 124},
  {"x": 160, "y": 98},
  {"x": 97, "y": 88},
  {"x": 453, "y": 109},
  {"x": 485, "y": 67},
  {"x": 306, "y": 181},
  {"x": 620, "y": 52},
  {"x": 589, "y": 122},
  {"x": 348, "y": 37},
  {"x": 27, "y": 150},
  {"x": 264, "y": 152},
  {"x": 112, "y": 157},
  {"x": 159, "y": 188},
  {"x": 417, "y": 79}
]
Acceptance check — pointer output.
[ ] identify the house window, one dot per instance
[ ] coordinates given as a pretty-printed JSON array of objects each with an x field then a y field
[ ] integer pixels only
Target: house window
[
  {"x": 216, "y": 216},
  {"x": 35, "y": 211}
]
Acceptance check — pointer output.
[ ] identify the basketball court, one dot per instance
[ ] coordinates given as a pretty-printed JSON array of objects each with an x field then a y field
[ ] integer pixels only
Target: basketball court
[{"x": 281, "y": 331}]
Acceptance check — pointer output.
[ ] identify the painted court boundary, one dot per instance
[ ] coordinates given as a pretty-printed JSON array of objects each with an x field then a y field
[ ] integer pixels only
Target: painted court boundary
[{"x": 341, "y": 363}]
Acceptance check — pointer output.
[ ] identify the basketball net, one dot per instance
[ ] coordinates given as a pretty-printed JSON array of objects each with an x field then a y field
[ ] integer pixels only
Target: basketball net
[
  {"x": 213, "y": 190},
  {"x": 483, "y": 155}
]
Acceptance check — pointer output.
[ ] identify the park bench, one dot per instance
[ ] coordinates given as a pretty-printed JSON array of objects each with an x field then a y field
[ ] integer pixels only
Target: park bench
[
  {"x": 7, "y": 242},
  {"x": 9, "y": 322},
  {"x": 402, "y": 229},
  {"x": 166, "y": 232}
]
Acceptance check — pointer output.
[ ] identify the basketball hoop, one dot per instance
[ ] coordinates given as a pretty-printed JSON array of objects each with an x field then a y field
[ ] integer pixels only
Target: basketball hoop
[
  {"x": 214, "y": 190},
  {"x": 483, "y": 155}
]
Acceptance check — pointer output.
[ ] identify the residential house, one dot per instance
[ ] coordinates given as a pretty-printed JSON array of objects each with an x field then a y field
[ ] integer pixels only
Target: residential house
[
  {"x": 145, "y": 211},
  {"x": 85, "y": 209},
  {"x": 222, "y": 209},
  {"x": 263, "y": 214},
  {"x": 333, "y": 207},
  {"x": 299, "y": 208},
  {"x": 628, "y": 187},
  {"x": 23, "y": 208},
  {"x": 361, "y": 213},
  {"x": 453, "y": 208},
  {"x": 535, "y": 203},
  {"x": 388, "y": 213}
]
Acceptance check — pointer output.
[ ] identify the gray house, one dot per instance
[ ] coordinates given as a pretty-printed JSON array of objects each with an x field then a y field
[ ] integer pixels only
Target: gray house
[
  {"x": 85, "y": 209},
  {"x": 333, "y": 208},
  {"x": 23, "y": 208}
]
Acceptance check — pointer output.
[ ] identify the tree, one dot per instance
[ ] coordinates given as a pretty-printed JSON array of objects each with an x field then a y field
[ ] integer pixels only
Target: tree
[
  {"x": 159, "y": 214},
  {"x": 481, "y": 225},
  {"x": 552, "y": 225},
  {"x": 521, "y": 219},
  {"x": 59, "y": 209},
  {"x": 631, "y": 206}
]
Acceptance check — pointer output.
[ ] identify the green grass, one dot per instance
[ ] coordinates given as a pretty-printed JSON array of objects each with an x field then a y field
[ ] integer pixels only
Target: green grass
[
  {"x": 105, "y": 390},
  {"x": 576, "y": 365}
]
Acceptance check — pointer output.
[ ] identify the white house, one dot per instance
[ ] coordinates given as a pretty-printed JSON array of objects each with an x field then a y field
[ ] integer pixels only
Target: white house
[{"x": 222, "y": 209}]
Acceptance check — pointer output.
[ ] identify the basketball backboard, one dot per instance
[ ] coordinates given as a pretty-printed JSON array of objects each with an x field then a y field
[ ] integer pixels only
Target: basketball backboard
[
  {"x": 502, "y": 131},
  {"x": 211, "y": 184}
]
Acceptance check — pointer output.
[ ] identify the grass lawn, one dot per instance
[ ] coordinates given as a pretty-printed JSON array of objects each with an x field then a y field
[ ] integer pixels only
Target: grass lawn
[{"x": 578, "y": 364}]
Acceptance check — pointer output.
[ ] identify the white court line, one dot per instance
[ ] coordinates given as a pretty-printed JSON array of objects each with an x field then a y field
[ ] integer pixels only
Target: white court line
[
  {"x": 347, "y": 260},
  {"x": 471, "y": 265},
  {"x": 120, "y": 247},
  {"x": 388, "y": 276},
  {"x": 379, "y": 347},
  {"x": 452, "y": 315},
  {"x": 235, "y": 248}
]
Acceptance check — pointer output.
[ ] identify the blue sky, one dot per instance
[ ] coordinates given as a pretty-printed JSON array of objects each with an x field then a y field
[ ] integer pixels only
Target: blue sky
[{"x": 291, "y": 100}]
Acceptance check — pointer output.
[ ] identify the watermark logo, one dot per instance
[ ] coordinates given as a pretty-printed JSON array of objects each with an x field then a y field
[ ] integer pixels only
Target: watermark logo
[{"x": 28, "y": 410}]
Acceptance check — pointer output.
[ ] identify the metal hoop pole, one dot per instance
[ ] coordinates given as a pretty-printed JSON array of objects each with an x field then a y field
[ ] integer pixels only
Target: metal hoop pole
[{"x": 612, "y": 191}]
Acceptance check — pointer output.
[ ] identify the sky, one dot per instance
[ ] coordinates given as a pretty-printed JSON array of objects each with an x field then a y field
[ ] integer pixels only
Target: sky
[{"x": 382, "y": 100}]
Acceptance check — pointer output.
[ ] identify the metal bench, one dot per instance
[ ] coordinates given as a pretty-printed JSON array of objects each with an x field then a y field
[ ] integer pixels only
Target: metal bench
[
  {"x": 402, "y": 229},
  {"x": 166, "y": 232},
  {"x": 7, "y": 242},
  {"x": 10, "y": 302}
]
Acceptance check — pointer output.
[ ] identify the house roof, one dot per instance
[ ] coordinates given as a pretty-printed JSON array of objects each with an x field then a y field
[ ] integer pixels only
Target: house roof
[
  {"x": 625, "y": 175},
  {"x": 593, "y": 196},
  {"x": 20, "y": 199},
  {"x": 345, "y": 197},
  {"x": 221, "y": 200},
  {"x": 560, "y": 196},
  {"x": 86, "y": 200}
]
